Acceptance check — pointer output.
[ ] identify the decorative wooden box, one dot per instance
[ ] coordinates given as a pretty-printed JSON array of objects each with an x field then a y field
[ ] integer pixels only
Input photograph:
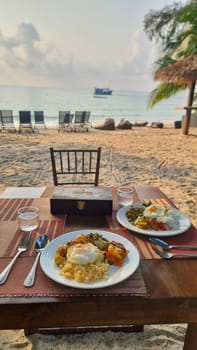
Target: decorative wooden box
[{"x": 81, "y": 201}]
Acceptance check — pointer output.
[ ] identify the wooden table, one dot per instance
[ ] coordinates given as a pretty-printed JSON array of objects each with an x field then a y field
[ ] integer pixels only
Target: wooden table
[{"x": 171, "y": 291}]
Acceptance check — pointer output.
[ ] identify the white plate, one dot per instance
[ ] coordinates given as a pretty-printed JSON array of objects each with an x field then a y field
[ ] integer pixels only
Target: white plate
[
  {"x": 184, "y": 223},
  {"x": 116, "y": 274}
]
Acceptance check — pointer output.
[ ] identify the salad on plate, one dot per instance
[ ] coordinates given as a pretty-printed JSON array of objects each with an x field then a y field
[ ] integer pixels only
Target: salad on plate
[{"x": 154, "y": 216}]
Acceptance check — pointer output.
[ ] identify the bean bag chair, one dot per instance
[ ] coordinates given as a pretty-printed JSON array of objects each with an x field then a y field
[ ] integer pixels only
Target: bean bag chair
[
  {"x": 124, "y": 124},
  {"x": 109, "y": 124}
]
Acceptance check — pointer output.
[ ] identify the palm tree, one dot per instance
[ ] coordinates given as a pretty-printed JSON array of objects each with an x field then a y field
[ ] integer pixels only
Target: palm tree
[{"x": 175, "y": 28}]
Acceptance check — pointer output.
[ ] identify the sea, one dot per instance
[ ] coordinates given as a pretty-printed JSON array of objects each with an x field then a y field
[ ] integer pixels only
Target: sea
[{"x": 130, "y": 105}]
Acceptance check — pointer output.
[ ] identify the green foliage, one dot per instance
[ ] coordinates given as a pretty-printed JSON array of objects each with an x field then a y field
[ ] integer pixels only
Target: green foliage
[
  {"x": 188, "y": 14},
  {"x": 163, "y": 62},
  {"x": 164, "y": 91},
  {"x": 162, "y": 25},
  {"x": 175, "y": 28}
]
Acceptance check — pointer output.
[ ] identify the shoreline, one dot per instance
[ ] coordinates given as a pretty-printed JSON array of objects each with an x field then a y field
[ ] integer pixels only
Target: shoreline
[{"x": 52, "y": 122}]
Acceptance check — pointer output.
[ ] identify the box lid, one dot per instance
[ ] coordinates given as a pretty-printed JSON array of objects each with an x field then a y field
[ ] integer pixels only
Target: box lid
[{"x": 77, "y": 193}]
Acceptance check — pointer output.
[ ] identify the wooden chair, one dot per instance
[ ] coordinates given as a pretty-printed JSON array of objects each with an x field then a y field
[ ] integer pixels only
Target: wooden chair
[
  {"x": 25, "y": 121},
  {"x": 39, "y": 120},
  {"x": 65, "y": 121},
  {"x": 75, "y": 166},
  {"x": 7, "y": 120}
]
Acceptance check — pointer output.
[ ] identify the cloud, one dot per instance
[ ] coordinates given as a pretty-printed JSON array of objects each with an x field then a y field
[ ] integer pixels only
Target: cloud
[
  {"x": 27, "y": 56},
  {"x": 17, "y": 50},
  {"x": 26, "y": 35},
  {"x": 140, "y": 56},
  {"x": 28, "y": 60}
]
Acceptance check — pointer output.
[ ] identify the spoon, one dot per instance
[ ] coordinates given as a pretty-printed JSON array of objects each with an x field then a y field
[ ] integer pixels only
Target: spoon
[
  {"x": 167, "y": 246},
  {"x": 41, "y": 243}
]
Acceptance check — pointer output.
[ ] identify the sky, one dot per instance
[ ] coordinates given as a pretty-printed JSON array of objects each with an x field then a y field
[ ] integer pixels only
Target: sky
[{"x": 77, "y": 44}]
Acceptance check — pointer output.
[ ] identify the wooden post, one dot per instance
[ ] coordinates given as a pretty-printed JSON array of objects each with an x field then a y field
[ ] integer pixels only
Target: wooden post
[{"x": 189, "y": 109}]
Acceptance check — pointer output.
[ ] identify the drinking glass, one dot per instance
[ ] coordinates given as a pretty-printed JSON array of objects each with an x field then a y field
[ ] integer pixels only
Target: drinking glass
[
  {"x": 28, "y": 218},
  {"x": 125, "y": 195}
]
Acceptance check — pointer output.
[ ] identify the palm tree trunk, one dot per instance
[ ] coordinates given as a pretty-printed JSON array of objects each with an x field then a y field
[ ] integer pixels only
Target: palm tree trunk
[{"x": 186, "y": 120}]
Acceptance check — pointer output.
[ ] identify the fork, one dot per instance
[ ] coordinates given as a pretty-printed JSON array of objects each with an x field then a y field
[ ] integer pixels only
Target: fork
[
  {"x": 21, "y": 248},
  {"x": 167, "y": 255}
]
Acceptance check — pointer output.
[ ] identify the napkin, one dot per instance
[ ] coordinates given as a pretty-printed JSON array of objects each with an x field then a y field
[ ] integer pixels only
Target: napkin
[{"x": 22, "y": 192}]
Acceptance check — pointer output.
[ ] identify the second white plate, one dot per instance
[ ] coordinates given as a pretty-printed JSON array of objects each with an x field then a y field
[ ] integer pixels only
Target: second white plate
[{"x": 184, "y": 224}]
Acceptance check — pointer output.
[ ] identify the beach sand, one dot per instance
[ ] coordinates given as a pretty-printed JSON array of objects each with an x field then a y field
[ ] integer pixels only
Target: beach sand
[{"x": 142, "y": 156}]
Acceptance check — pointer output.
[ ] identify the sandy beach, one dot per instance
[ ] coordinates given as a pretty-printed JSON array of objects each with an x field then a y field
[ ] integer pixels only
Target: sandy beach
[
  {"x": 146, "y": 156},
  {"x": 143, "y": 156}
]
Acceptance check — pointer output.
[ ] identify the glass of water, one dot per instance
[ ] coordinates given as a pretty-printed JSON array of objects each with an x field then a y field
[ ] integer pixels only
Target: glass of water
[
  {"x": 125, "y": 195},
  {"x": 28, "y": 218}
]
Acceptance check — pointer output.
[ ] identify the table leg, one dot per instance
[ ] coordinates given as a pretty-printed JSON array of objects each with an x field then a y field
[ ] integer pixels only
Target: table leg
[{"x": 191, "y": 337}]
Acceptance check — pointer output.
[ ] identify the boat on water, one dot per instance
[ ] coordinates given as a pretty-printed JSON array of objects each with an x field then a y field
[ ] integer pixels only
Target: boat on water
[{"x": 102, "y": 92}]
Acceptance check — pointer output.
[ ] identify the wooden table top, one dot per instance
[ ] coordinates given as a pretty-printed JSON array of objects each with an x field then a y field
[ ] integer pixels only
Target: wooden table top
[{"x": 171, "y": 289}]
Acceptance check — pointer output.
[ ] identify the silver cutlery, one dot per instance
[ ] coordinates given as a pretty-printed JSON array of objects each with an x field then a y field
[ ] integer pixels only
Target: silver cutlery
[
  {"x": 167, "y": 255},
  {"x": 167, "y": 246},
  {"x": 41, "y": 243},
  {"x": 24, "y": 245}
]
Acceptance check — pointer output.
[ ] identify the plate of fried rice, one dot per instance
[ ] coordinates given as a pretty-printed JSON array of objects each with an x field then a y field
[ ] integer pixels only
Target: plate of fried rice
[{"x": 89, "y": 259}]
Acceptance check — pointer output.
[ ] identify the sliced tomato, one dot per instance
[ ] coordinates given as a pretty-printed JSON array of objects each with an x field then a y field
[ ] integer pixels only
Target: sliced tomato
[
  {"x": 154, "y": 224},
  {"x": 113, "y": 260},
  {"x": 162, "y": 226}
]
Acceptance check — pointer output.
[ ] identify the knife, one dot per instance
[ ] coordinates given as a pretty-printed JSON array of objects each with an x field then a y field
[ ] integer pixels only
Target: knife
[{"x": 167, "y": 246}]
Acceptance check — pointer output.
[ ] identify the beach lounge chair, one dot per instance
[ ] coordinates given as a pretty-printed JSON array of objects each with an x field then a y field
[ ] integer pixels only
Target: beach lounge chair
[
  {"x": 39, "y": 120},
  {"x": 65, "y": 121},
  {"x": 7, "y": 120},
  {"x": 81, "y": 121},
  {"x": 25, "y": 121},
  {"x": 75, "y": 166},
  {"x": 87, "y": 122}
]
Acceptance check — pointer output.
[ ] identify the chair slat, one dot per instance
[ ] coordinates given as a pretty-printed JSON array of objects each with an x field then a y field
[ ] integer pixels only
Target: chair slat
[
  {"x": 68, "y": 159},
  {"x": 61, "y": 162}
]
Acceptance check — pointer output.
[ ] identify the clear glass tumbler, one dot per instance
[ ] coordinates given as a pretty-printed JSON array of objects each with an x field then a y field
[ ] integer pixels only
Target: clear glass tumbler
[
  {"x": 125, "y": 195},
  {"x": 28, "y": 218}
]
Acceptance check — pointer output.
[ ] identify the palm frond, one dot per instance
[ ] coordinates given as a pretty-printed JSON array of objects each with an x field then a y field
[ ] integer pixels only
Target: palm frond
[
  {"x": 188, "y": 14},
  {"x": 187, "y": 48},
  {"x": 164, "y": 61},
  {"x": 164, "y": 91}
]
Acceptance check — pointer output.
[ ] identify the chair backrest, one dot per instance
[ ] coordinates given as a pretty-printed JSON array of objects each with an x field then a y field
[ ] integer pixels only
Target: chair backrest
[
  {"x": 39, "y": 117},
  {"x": 75, "y": 166},
  {"x": 79, "y": 117},
  {"x": 62, "y": 115},
  {"x": 82, "y": 117},
  {"x": 86, "y": 117},
  {"x": 7, "y": 116},
  {"x": 24, "y": 117},
  {"x": 68, "y": 118}
]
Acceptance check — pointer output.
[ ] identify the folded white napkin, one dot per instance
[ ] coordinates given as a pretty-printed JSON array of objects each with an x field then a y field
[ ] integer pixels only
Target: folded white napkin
[{"x": 22, "y": 192}]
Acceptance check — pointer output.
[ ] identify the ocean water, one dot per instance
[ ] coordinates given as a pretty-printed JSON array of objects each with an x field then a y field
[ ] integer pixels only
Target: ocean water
[{"x": 129, "y": 105}]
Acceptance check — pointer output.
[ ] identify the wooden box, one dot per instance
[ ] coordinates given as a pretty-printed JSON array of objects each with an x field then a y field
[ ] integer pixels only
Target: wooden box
[{"x": 81, "y": 201}]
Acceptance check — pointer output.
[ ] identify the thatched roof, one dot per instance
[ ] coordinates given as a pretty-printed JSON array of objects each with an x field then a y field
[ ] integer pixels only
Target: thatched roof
[{"x": 182, "y": 72}]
